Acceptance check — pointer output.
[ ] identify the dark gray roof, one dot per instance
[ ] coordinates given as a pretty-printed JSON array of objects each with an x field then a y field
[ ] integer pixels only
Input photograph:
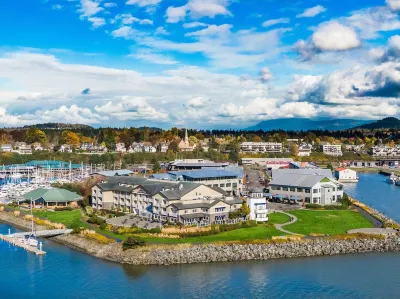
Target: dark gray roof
[
  {"x": 114, "y": 187},
  {"x": 195, "y": 215},
  {"x": 317, "y": 171},
  {"x": 182, "y": 206},
  {"x": 296, "y": 180},
  {"x": 233, "y": 201}
]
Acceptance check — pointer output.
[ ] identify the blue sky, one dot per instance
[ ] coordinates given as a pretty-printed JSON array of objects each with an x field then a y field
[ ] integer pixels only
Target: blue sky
[{"x": 197, "y": 63}]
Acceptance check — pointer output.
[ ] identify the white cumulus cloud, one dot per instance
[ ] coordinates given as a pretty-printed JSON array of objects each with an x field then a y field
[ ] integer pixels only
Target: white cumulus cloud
[{"x": 312, "y": 12}]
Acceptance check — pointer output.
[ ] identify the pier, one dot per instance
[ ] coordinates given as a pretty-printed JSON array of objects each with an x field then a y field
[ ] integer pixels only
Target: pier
[{"x": 16, "y": 242}]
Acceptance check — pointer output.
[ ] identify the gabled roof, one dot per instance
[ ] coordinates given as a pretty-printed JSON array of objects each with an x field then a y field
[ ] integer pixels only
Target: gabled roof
[
  {"x": 298, "y": 180},
  {"x": 316, "y": 171}
]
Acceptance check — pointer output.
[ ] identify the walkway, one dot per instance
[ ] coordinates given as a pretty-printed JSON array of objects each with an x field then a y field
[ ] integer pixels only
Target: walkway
[
  {"x": 279, "y": 226},
  {"x": 43, "y": 233}
]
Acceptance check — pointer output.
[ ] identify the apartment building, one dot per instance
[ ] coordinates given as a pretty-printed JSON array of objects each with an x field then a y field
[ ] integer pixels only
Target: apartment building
[
  {"x": 332, "y": 149},
  {"x": 383, "y": 151},
  {"x": 184, "y": 202},
  {"x": 22, "y": 148},
  {"x": 261, "y": 147},
  {"x": 306, "y": 185},
  {"x": 268, "y": 163}
]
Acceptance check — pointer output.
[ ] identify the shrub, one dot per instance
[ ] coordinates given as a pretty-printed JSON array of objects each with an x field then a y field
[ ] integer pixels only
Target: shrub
[
  {"x": 96, "y": 220},
  {"x": 63, "y": 209},
  {"x": 103, "y": 226},
  {"x": 132, "y": 242}
]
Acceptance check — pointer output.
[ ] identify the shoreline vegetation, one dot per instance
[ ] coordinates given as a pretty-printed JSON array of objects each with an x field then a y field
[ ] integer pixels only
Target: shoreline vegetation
[{"x": 252, "y": 241}]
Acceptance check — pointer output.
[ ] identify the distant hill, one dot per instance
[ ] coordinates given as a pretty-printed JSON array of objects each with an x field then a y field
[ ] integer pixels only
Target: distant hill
[
  {"x": 386, "y": 123},
  {"x": 58, "y": 126},
  {"x": 299, "y": 124}
]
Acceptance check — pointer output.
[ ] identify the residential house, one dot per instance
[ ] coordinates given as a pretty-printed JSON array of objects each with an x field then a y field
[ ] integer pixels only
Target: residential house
[
  {"x": 120, "y": 147},
  {"x": 305, "y": 150},
  {"x": 149, "y": 148},
  {"x": 257, "y": 203},
  {"x": 261, "y": 147},
  {"x": 6, "y": 148},
  {"x": 137, "y": 147},
  {"x": 22, "y": 148},
  {"x": 65, "y": 148},
  {"x": 37, "y": 146},
  {"x": 163, "y": 147}
]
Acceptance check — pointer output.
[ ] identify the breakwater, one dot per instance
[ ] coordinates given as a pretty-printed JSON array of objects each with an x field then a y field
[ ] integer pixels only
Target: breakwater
[{"x": 187, "y": 253}]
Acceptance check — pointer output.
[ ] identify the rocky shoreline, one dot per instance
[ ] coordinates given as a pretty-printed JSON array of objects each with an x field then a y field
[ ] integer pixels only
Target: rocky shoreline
[{"x": 187, "y": 253}]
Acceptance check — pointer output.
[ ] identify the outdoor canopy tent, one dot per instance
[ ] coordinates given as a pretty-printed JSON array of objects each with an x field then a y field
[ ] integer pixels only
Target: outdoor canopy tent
[{"x": 52, "y": 195}]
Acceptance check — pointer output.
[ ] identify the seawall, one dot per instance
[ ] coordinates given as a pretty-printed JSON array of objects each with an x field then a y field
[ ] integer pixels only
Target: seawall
[{"x": 187, "y": 253}]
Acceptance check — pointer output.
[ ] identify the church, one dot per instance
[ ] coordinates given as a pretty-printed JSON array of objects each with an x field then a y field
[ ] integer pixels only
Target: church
[{"x": 184, "y": 145}]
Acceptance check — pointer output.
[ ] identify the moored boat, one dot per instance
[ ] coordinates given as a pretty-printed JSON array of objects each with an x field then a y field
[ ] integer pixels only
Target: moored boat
[{"x": 392, "y": 179}]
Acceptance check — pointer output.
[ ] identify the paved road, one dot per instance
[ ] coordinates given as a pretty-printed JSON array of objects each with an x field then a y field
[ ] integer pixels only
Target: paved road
[{"x": 253, "y": 179}]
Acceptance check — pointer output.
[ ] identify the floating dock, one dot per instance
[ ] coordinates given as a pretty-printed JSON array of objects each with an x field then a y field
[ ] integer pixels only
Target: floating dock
[{"x": 16, "y": 242}]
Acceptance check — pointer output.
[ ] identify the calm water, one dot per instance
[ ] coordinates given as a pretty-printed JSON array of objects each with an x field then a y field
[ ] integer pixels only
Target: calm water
[
  {"x": 64, "y": 273},
  {"x": 373, "y": 190}
]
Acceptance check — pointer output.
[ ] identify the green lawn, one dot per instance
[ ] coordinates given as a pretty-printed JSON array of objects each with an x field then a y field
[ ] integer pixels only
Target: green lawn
[
  {"x": 327, "y": 222},
  {"x": 278, "y": 218},
  {"x": 65, "y": 217},
  {"x": 252, "y": 233}
]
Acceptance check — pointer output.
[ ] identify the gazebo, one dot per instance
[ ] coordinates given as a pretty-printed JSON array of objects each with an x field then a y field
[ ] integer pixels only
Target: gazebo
[{"x": 52, "y": 196}]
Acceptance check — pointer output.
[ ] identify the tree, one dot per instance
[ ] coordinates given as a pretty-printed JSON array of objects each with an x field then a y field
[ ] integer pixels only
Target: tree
[
  {"x": 68, "y": 137},
  {"x": 294, "y": 149},
  {"x": 156, "y": 167},
  {"x": 234, "y": 156},
  {"x": 193, "y": 140},
  {"x": 173, "y": 146},
  {"x": 34, "y": 135}
]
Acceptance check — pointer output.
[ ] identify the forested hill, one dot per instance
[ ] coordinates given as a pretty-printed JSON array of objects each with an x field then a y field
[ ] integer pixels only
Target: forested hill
[
  {"x": 386, "y": 123},
  {"x": 59, "y": 126}
]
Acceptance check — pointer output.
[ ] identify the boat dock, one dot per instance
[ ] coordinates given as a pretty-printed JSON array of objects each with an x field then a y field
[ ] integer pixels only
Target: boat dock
[{"x": 16, "y": 242}]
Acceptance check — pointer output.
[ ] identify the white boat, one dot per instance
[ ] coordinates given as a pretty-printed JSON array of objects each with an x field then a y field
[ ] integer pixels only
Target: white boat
[{"x": 392, "y": 179}]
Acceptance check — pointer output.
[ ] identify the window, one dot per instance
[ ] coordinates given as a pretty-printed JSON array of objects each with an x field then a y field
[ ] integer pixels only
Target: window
[
  {"x": 215, "y": 185},
  {"x": 194, "y": 210},
  {"x": 299, "y": 189},
  {"x": 228, "y": 184},
  {"x": 315, "y": 200},
  {"x": 293, "y": 189},
  {"x": 285, "y": 189},
  {"x": 315, "y": 191},
  {"x": 222, "y": 185},
  {"x": 307, "y": 190},
  {"x": 218, "y": 210},
  {"x": 234, "y": 185},
  {"x": 185, "y": 211},
  {"x": 307, "y": 199}
]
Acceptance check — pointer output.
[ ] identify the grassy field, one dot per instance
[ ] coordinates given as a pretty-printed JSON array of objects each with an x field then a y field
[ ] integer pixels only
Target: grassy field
[
  {"x": 253, "y": 233},
  {"x": 65, "y": 217},
  {"x": 278, "y": 218},
  {"x": 327, "y": 222}
]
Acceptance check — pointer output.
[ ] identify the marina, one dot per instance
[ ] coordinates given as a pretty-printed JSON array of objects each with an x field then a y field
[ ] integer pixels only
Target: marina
[{"x": 22, "y": 243}]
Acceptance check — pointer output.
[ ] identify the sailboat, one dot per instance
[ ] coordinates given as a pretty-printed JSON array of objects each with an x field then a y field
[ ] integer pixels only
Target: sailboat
[
  {"x": 392, "y": 179},
  {"x": 31, "y": 239}
]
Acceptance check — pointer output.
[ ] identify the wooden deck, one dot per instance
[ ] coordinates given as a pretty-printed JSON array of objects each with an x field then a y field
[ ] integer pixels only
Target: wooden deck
[{"x": 16, "y": 242}]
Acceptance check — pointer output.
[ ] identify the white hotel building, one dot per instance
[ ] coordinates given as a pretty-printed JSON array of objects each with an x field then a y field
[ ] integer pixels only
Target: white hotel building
[
  {"x": 261, "y": 147},
  {"x": 308, "y": 185}
]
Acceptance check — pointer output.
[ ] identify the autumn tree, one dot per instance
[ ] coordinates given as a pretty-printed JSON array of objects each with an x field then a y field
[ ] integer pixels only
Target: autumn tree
[
  {"x": 193, "y": 140},
  {"x": 35, "y": 135},
  {"x": 68, "y": 137},
  {"x": 294, "y": 149}
]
